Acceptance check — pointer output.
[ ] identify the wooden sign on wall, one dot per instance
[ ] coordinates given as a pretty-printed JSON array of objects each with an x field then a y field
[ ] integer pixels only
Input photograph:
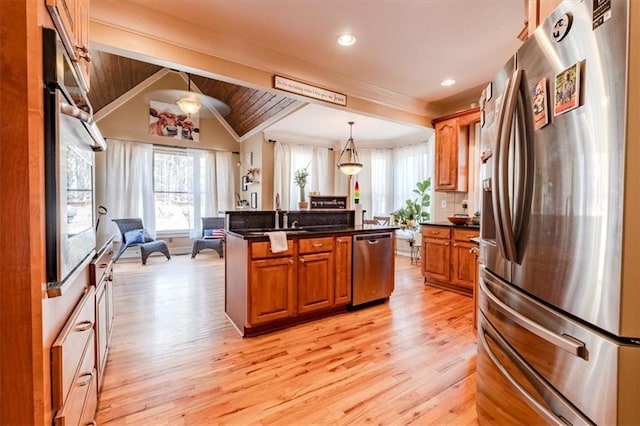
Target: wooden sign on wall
[{"x": 308, "y": 90}]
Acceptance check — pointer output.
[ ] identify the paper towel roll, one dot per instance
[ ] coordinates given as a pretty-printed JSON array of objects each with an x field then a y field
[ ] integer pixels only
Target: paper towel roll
[{"x": 358, "y": 215}]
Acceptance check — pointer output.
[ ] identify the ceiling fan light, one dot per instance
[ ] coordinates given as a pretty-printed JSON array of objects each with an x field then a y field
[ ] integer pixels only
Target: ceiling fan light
[
  {"x": 346, "y": 40},
  {"x": 351, "y": 164},
  {"x": 188, "y": 105}
]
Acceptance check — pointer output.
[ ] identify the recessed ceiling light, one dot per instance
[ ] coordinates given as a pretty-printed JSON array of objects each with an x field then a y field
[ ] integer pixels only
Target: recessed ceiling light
[
  {"x": 346, "y": 40},
  {"x": 448, "y": 82}
]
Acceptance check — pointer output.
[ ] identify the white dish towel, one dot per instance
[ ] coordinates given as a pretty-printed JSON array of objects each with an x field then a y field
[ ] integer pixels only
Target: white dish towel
[{"x": 278, "y": 240}]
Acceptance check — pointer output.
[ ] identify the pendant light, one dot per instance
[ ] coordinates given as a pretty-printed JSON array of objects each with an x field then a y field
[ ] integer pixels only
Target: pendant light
[
  {"x": 351, "y": 164},
  {"x": 189, "y": 104}
]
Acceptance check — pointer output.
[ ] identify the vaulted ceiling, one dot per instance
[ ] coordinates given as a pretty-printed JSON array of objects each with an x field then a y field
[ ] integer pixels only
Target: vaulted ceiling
[{"x": 112, "y": 76}]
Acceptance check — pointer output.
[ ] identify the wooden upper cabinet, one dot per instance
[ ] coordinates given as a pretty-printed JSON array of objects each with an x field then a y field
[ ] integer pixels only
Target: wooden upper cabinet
[
  {"x": 536, "y": 11},
  {"x": 71, "y": 19},
  {"x": 452, "y": 150}
]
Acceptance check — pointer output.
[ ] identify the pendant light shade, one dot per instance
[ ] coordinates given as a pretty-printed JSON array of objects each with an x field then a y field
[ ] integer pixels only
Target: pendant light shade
[
  {"x": 189, "y": 104},
  {"x": 348, "y": 162}
]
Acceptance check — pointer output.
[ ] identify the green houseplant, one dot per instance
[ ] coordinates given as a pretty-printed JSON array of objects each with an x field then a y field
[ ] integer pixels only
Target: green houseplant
[
  {"x": 416, "y": 209},
  {"x": 300, "y": 178}
]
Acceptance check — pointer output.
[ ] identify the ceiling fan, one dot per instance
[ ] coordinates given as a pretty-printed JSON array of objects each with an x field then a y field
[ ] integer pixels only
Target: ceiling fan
[{"x": 190, "y": 101}]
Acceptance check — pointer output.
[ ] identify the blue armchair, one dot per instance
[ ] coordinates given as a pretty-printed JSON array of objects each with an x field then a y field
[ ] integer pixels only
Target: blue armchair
[{"x": 134, "y": 234}]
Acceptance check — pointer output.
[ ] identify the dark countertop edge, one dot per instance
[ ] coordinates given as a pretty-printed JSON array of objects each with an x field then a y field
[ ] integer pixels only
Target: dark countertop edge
[
  {"x": 314, "y": 232},
  {"x": 451, "y": 225}
]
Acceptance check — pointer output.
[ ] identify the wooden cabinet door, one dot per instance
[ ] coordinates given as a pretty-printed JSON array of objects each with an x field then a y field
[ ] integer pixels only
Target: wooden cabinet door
[
  {"x": 343, "y": 270},
  {"x": 437, "y": 259},
  {"x": 272, "y": 290},
  {"x": 446, "y": 158},
  {"x": 463, "y": 264},
  {"x": 316, "y": 282},
  {"x": 71, "y": 19}
]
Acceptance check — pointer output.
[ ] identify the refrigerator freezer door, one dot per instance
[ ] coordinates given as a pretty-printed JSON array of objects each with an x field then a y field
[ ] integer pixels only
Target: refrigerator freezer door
[
  {"x": 567, "y": 367},
  {"x": 572, "y": 259}
]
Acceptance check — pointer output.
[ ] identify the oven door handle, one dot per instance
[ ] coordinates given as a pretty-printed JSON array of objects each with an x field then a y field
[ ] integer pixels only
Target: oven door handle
[
  {"x": 98, "y": 142},
  {"x": 566, "y": 343}
]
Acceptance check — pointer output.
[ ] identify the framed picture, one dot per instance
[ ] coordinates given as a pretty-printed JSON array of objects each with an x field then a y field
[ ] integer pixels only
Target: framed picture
[
  {"x": 540, "y": 104},
  {"x": 169, "y": 121},
  {"x": 567, "y": 90}
]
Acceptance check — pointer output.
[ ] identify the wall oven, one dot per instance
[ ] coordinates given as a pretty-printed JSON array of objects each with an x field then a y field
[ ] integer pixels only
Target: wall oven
[{"x": 71, "y": 138}]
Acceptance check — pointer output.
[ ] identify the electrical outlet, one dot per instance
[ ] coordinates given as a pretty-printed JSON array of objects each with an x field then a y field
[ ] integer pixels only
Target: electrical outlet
[{"x": 443, "y": 204}]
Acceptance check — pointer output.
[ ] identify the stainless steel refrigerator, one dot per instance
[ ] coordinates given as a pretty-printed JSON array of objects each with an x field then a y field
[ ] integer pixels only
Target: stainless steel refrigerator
[{"x": 559, "y": 288}]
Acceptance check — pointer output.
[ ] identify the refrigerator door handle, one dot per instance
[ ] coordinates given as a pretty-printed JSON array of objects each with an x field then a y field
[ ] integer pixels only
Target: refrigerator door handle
[
  {"x": 504, "y": 137},
  {"x": 549, "y": 416},
  {"x": 525, "y": 161},
  {"x": 564, "y": 342},
  {"x": 499, "y": 171},
  {"x": 511, "y": 222}
]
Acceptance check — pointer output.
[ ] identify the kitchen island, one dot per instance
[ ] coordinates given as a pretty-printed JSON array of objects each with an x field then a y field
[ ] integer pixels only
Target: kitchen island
[{"x": 310, "y": 279}]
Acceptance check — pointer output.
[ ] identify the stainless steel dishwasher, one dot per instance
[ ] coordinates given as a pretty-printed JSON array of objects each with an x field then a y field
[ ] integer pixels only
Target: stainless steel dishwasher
[{"x": 373, "y": 267}]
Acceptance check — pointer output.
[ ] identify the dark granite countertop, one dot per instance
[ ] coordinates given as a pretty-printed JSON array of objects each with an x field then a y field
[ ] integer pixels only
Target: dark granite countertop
[
  {"x": 451, "y": 225},
  {"x": 257, "y": 234}
]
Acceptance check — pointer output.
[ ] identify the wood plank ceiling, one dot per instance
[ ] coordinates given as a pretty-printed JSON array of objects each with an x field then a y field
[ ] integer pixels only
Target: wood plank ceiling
[{"x": 112, "y": 76}]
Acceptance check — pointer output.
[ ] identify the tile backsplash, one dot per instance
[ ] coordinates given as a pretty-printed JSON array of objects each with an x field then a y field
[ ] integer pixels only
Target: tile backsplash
[{"x": 449, "y": 203}]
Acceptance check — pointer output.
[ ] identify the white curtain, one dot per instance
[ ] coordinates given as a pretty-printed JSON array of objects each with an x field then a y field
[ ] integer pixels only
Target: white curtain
[
  {"x": 411, "y": 164},
  {"x": 378, "y": 186},
  {"x": 291, "y": 157},
  {"x": 204, "y": 185},
  {"x": 225, "y": 182},
  {"x": 129, "y": 192}
]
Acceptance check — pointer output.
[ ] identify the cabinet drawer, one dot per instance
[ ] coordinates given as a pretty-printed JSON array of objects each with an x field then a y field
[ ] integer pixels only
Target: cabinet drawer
[
  {"x": 69, "y": 348},
  {"x": 81, "y": 407},
  {"x": 102, "y": 266},
  {"x": 464, "y": 234},
  {"x": 436, "y": 232},
  {"x": 315, "y": 245},
  {"x": 263, "y": 250}
]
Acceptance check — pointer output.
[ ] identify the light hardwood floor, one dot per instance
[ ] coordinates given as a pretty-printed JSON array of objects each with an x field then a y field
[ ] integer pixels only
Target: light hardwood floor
[{"x": 175, "y": 359}]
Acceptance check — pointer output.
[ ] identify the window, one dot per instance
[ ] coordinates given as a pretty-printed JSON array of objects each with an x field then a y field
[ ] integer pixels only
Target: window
[{"x": 178, "y": 177}]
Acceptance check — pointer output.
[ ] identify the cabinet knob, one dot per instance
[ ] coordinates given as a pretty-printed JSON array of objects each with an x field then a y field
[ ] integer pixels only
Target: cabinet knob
[
  {"x": 317, "y": 245},
  {"x": 290, "y": 261},
  {"x": 83, "y": 52},
  {"x": 447, "y": 243},
  {"x": 301, "y": 260},
  {"x": 474, "y": 250}
]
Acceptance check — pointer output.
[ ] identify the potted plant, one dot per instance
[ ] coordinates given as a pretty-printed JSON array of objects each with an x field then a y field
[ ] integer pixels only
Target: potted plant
[
  {"x": 417, "y": 209},
  {"x": 300, "y": 178},
  {"x": 476, "y": 218}
]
